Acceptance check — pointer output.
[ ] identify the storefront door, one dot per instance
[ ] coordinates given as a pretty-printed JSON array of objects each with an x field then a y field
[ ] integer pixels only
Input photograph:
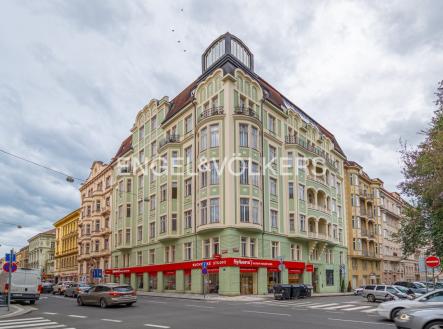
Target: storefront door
[
  {"x": 213, "y": 283},
  {"x": 246, "y": 283},
  {"x": 315, "y": 279},
  {"x": 152, "y": 281}
]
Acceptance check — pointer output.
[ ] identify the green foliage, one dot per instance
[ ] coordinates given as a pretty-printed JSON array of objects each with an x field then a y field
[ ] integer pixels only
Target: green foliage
[{"x": 423, "y": 182}]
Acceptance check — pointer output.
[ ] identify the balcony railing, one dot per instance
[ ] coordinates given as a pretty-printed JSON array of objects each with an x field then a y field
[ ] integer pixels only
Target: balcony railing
[
  {"x": 319, "y": 208},
  {"x": 169, "y": 139},
  {"x": 216, "y": 110},
  {"x": 246, "y": 111},
  {"x": 292, "y": 139}
]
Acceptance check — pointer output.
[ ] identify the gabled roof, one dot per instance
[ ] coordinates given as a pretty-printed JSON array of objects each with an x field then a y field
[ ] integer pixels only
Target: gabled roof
[
  {"x": 125, "y": 146},
  {"x": 180, "y": 101}
]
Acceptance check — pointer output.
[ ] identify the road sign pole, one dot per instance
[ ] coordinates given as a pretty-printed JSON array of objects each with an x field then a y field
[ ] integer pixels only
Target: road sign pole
[
  {"x": 10, "y": 279},
  {"x": 426, "y": 268}
]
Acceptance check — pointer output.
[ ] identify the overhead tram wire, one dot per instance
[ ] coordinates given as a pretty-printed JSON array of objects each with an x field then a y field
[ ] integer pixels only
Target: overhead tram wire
[{"x": 69, "y": 178}]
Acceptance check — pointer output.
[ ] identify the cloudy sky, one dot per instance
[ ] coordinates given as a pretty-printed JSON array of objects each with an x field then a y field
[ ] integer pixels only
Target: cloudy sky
[{"x": 73, "y": 75}]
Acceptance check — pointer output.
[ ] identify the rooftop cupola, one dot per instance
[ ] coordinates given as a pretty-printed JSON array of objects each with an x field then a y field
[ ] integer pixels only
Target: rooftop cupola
[{"x": 224, "y": 46}]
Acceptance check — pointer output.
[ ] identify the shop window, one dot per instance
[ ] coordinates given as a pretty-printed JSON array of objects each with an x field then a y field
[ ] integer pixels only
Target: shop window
[
  {"x": 329, "y": 277},
  {"x": 187, "y": 281},
  {"x": 169, "y": 281}
]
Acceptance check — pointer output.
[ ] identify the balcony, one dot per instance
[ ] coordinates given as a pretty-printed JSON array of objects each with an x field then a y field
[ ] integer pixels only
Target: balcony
[
  {"x": 248, "y": 111},
  {"x": 319, "y": 208},
  {"x": 216, "y": 110},
  {"x": 210, "y": 226},
  {"x": 294, "y": 140},
  {"x": 171, "y": 139}
]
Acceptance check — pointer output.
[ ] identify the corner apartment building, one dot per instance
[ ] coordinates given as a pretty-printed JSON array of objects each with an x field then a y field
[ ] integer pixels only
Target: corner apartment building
[
  {"x": 41, "y": 253},
  {"x": 364, "y": 226},
  {"x": 22, "y": 257},
  {"x": 170, "y": 214},
  {"x": 66, "y": 247},
  {"x": 94, "y": 228}
]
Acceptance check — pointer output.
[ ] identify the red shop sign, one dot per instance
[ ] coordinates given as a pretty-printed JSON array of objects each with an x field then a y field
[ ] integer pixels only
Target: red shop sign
[
  {"x": 212, "y": 270},
  {"x": 309, "y": 268},
  {"x": 170, "y": 273},
  {"x": 248, "y": 270},
  {"x": 295, "y": 271}
]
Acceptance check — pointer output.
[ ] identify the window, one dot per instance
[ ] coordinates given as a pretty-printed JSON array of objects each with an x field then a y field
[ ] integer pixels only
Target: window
[
  {"x": 329, "y": 277},
  {"x": 188, "y": 124},
  {"x": 188, "y": 219},
  {"x": 290, "y": 160},
  {"x": 140, "y": 181},
  {"x": 255, "y": 211},
  {"x": 255, "y": 179},
  {"x": 97, "y": 245},
  {"x": 274, "y": 249},
  {"x": 174, "y": 159},
  {"x": 274, "y": 218},
  {"x": 203, "y": 212},
  {"x": 243, "y": 246},
  {"x": 271, "y": 123},
  {"x": 164, "y": 162},
  {"x": 141, "y": 132},
  {"x": 128, "y": 236},
  {"x": 163, "y": 224},
  {"x": 203, "y": 139},
  {"x": 188, "y": 251},
  {"x": 154, "y": 122},
  {"x": 291, "y": 190},
  {"x": 215, "y": 210},
  {"x": 152, "y": 176},
  {"x": 141, "y": 156},
  {"x": 214, "y": 135},
  {"x": 139, "y": 258},
  {"x": 243, "y": 135},
  {"x": 206, "y": 248},
  {"x": 291, "y": 223},
  {"x": 215, "y": 246},
  {"x": 252, "y": 247},
  {"x": 151, "y": 256},
  {"x": 174, "y": 190},
  {"x": 244, "y": 210},
  {"x": 174, "y": 222},
  {"x": 97, "y": 225},
  {"x": 301, "y": 192},
  {"x": 152, "y": 230},
  {"x": 163, "y": 193},
  {"x": 128, "y": 210},
  {"x": 203, "y": 177},
  {"x": 140, "y": 207},
  {"x": 188, "y": 187},
  {"x": 272, "y": 153},
  {"x": 254, "y": 137},
  {"x": 139, "y": 233},
  {"x": 153, "y": 148},
  {"x": 129, "y": 185},
  {"x": 302, "y": 223},
  {"x": 214, "y": 173},
  {"x": 244, "y": 172},
  {"x": 272, "y": 186},
  {"x": 152, "y": 202},
  {"x": 188, "y": 154}
]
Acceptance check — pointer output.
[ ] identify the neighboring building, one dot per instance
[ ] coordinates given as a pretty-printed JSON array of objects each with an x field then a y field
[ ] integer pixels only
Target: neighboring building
[
  {"x": 66, "y": 247},
  {"x": 22, "y": 257},
  {"x": 94, "y": 228},
  {"x": 165, "y": 225},
  {"x": 41, "y": 253},
  {"x": 364, "y": 226}
]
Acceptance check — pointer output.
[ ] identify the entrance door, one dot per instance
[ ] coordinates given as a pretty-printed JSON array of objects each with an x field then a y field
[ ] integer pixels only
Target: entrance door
[
  {"x": 246, "y": 284},
  {"x": 315, "y": 279}
]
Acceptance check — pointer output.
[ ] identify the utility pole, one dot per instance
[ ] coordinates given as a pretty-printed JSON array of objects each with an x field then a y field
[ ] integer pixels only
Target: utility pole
[{"x": 10, "y": 279}]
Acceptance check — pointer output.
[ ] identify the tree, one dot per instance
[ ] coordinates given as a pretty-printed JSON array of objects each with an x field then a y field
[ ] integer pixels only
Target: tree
[{"x": 423, "y": 183}]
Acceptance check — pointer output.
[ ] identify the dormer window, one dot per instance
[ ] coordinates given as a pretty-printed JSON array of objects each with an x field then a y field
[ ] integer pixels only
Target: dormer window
[
  {"x": 216, "y": 51},
  {"x": 240, "y": 53}
]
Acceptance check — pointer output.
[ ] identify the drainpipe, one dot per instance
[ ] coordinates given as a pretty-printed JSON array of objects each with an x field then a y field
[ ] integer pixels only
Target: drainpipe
[
  {"x": 262, "y": 137},
  {"x": 194, "y": 154}
]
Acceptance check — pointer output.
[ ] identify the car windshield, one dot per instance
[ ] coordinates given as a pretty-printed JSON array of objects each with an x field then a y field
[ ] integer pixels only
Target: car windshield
[
  {"x": 123, "y": 289},
  {"x": 419, "y": 285},
  {"x": 401, "y": 289}
]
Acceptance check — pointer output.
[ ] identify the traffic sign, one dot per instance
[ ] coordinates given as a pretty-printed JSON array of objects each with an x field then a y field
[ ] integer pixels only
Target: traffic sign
[
  {"x": 204, "y": 270},
  {"x": 432, "y": 261},
  {"x": 6, "y": 267},
  {"x": 204, "y": 264},
  {"x": 8, "y": 258},
  {"x": 97, "y": 273}
]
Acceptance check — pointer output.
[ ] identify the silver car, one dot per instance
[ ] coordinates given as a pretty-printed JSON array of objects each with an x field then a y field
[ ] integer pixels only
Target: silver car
[
  {"x": 429, "y": 318},
  {"x": 382, "y": 292},
  {"x": 390, "y": 310},
  {"x": 75, "y": 289},
  {"x": 108, "y": 294}
]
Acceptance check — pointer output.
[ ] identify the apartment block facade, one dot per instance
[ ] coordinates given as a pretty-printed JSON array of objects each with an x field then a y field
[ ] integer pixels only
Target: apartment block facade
[
  {"x": 276, "y": 213},
  {"x": 66, "y": 247},
  {"x": 364, "y": 226},
  {"x": 94, "y": 228},
  {"x": 41, "y": 253}
]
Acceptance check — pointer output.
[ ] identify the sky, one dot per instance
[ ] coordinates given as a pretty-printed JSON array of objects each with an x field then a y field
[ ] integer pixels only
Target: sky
[{"x": 74, "y": 74}]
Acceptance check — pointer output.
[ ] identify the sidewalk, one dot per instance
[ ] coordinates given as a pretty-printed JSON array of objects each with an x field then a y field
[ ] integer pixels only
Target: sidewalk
[
  {"x": 15, "y": 310},
  {"x": 243, "y": 298}
]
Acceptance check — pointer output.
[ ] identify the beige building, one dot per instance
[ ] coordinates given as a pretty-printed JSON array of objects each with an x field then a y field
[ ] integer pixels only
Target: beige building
[
  {"x": 23, "y": 257},
  {"x": 66, "y": 248},
  {"x": 364, "y": 226},
  {"x": 94, "y": 229},
  {"x": 41, "y": 253}
]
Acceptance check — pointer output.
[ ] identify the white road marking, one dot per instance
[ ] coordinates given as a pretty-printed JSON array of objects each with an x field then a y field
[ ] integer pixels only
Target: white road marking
[
  {"x": 29, "y": 325},
  {"x": 337, "y": 307},
  {"x": 156, "y": 326},
  {"x": 24, "y": 319},
  {"x": 154, "y": 301},
  {"x": 50, "y": 327},
  {"x": 269, "y": 313},
  {"x": 356, "y": 308},
  {"x": 322, "y": 305},
  {"x": 370, "y": 311},
  {"x": 24, "y": 322},
  {"x": 78, "y": 316},
  {"x": 111, "y": 320},
  {"x": 50, "y": 313},
  {"x": 367, "y": 322},
  {"x": 199, "y": 306}
]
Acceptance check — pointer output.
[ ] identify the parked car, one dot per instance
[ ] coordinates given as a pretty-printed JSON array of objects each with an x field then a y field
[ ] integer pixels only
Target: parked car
[
  {"x": 74, "y": 289},
  {"x": 108, "y": 294},
  {"x": 416, "y": 287},
  {"x": 358, "y": 291},
  {"x": 47, "y": 287},
  {"x": 428, "y": 318},
  {"x": 60, "y": 287},
  {"x": 390, "y": 310},
  {"x": 383, "y": 292},
  {"x": 26, "y": 285}
]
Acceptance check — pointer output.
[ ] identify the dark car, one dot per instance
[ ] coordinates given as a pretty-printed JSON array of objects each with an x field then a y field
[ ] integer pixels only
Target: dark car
[
  {"x": 47, "y": 287},
  {"x": 416, "y": 287}
]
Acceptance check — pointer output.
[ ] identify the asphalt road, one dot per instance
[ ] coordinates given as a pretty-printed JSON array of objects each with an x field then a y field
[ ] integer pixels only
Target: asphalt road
[{"x": 347, "y": 312}]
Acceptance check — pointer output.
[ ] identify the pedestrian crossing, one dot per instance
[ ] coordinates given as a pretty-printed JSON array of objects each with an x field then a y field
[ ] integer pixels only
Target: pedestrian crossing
[
  {"x": 329, "y": 306},
  {"x": 32, "y": 323}
]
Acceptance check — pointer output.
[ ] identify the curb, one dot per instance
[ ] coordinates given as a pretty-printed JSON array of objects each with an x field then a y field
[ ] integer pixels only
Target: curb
[
  {"x": 201, "y": 297},
  {"x": 19, "y": 310}
]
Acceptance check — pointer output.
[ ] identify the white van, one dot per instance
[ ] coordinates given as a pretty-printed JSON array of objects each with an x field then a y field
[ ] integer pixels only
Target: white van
[{"x": 26, "y": 285}]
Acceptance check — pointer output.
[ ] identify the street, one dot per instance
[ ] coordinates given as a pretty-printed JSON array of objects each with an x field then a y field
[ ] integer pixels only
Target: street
[{"x": 156, "y": 312}]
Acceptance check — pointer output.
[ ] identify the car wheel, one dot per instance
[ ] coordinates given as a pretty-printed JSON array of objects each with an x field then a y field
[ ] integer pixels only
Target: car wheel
[
  {"x": 434, "y": 325},
  {"x": 395, "y": 312},
  {"x": 129, "y": 304},
  {"x": 80, "y": 302},
  {"x": 371, "y": 298},
  {"x": 103, "y": 303},
  {"x": 32, "y": 302}
]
